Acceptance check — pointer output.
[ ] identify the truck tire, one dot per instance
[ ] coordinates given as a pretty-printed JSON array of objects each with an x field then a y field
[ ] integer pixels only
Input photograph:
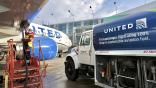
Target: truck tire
[
  {"x": 71, "y": 72},
  {"x": 129, "y": 72},
  {"x": 1, "y": 80}
]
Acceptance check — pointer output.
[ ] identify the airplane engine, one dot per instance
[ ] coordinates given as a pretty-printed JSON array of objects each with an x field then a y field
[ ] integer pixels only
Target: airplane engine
[{"x": 48, "y": 47}]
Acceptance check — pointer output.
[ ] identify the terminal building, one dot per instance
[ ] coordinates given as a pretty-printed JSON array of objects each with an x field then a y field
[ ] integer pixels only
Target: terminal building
[{"x": 74, "y": 29}]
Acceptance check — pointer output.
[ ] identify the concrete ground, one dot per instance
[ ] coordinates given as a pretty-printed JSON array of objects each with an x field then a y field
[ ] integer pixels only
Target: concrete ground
[{"x": 56, "y": 77}]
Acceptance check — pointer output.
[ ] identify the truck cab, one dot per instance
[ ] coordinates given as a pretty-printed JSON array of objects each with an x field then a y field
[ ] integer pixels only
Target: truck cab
[{"x": 80, "y": 60}]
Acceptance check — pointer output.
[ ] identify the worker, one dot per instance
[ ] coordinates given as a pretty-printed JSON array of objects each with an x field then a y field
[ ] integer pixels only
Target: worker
[{"x": 28, "y": 36}]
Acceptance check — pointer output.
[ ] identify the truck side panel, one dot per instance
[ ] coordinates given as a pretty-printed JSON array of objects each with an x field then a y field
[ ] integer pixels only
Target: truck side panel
[
  {"x": 136, "y": 32},
  {"x": 125, "y": 52}
]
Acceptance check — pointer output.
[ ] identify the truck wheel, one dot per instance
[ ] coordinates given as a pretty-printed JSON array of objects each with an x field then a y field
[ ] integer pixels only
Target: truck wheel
[
  {"x": 71, "y": 72},
  {"x": 129, "y": 72},
  {"x": 1, "y": 80}
]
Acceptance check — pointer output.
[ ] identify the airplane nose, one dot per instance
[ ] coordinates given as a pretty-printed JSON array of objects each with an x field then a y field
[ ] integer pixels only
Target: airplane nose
[{"x": 69, "y": 42}]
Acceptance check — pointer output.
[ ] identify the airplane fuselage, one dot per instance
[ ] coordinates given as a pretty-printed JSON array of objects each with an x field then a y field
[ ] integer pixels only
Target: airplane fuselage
[{"x": 61, "y": 39}]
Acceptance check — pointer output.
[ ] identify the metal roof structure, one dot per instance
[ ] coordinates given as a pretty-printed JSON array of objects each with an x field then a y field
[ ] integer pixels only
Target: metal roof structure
[{"x": 13, "y": 11}]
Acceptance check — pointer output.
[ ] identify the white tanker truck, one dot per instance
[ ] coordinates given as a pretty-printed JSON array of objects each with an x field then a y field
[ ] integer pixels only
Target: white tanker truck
[{"x": 120, "y": 54}]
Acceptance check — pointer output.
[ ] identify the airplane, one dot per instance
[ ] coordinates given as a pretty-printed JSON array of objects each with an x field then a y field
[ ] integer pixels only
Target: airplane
[
  {"x": 11, "y": 18},
  {"x": 62, "y": 40}
]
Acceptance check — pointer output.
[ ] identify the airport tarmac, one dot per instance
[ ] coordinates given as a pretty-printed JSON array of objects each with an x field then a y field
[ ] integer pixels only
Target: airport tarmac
[{"x": 56, "y": 77}]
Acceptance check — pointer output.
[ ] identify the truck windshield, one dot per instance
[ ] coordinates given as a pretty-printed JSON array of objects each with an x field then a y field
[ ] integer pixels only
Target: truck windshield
[{"x": 85, "y": 40}]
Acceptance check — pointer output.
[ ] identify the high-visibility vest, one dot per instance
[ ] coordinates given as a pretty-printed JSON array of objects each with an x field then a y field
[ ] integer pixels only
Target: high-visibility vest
[
  {"x": 29, "y": 35},
  {"x": 30, "y": 44}
]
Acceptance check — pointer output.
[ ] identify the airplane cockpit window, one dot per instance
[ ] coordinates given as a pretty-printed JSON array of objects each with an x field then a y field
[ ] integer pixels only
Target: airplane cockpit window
[{"x": 85, "y": 40}]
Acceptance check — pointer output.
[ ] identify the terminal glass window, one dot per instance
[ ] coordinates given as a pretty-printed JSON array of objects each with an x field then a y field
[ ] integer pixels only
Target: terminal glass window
[
  {"x": 62, "y": 27},
  {"x": 96, "y": 21},
  {"x": 85, "y": 40},
  {"x": 70, "y": 28},
  {"x": 77, "y": 24},
  {"x": 52, "y": 26},
  {"x": 88, "y": 22},
  {"x": 102, "y": 20}
]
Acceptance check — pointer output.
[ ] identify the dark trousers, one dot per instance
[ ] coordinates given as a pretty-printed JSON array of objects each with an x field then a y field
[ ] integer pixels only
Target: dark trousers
[{"x": 27, "y": 51}]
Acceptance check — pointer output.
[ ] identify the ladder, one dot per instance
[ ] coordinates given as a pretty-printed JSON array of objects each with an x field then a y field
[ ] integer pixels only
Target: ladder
[{"x": 17, "y": 70}]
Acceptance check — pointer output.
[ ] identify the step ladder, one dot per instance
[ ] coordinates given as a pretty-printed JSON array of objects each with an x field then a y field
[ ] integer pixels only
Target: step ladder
[{"x": 17, "y": 71}]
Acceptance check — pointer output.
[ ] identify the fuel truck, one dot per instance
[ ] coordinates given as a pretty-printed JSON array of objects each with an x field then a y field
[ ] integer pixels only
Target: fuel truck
[{"x": 118, "y": 54}]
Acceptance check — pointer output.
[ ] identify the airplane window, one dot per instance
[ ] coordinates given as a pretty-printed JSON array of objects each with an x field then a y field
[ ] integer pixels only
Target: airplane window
[{"x": 58, "y": 37}]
